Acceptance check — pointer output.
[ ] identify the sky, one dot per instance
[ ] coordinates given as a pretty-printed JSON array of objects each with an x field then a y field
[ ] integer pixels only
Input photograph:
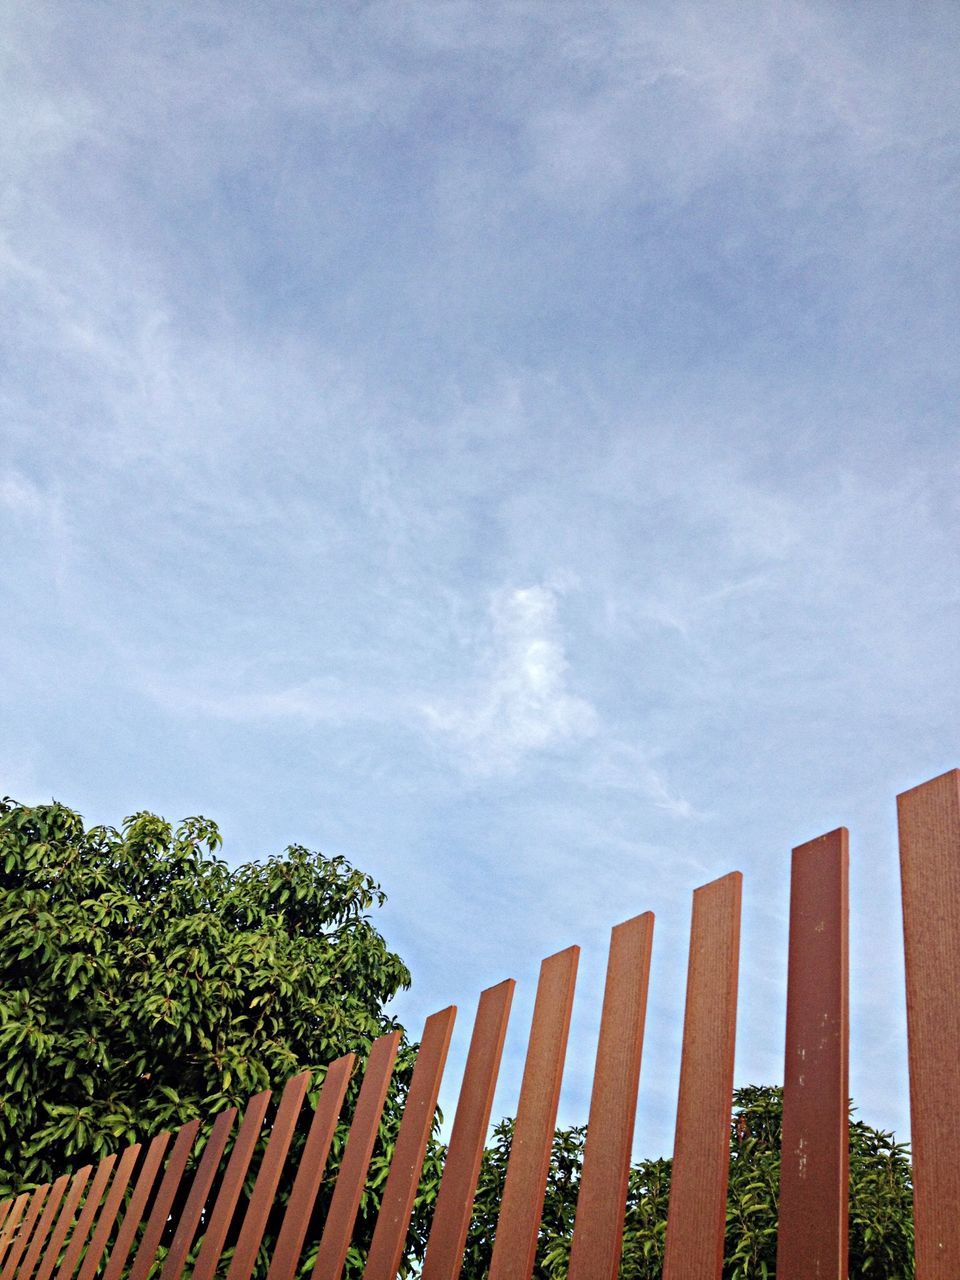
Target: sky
[{"x": 512, "y": 445}]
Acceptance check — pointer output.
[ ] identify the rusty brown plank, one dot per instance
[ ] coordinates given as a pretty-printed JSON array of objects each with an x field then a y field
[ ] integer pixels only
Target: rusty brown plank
[
  {"x": 814, "y": 1168},
  {"x": 18, "y": 1243},
  {"x": 303, "y": 1196},
  {"x": 39, "y": 1237},
  {"x": 248, "y": 1135},
  {"x": 4, "y": 1214},
  {"x": 268, "y": 1178},
  {"x": 345, "y": 1201},
  {"x": 163, "y": 1202},
  {"x": 197, "y": 1196},
  {"x": 134, "y": 1214},
  {"x": 458, "y": 1183},
  {"x": 16, "y": 1213},
  {"x": 930, "y": 872},
  {"x": 701, "y": 1154},
  {"x": 108, "y": 1215},
  {"x": 64, "y": 1220},
  {"x": 601, "y": 1203},
  {"x": 396, "y": 1206},
  {"x": 81, "y": 1231},
  {"x": 521, "y": 1207}
]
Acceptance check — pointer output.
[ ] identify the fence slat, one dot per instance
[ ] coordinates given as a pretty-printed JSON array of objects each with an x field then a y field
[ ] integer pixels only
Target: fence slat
[
  {"x": 13, "y": 1221},
  {"x": 930, "y": 871},
  {"x": 81, "y": 1231},
  {"x": 698, "y": 1187},
  {"x": 396, "y": 1206},
  {"x": 521, "y": 1207},
  {"x": 108, "y": 1215},
  {"x": 601, "y": 1204},
  {"x": 4, "y": 1213},
  {"x": 342, "y": 1215},
  {"x": 64, "y": 1221},
  {"x": 221, "y": 1215},
  {"x": 197, "y": 1196},
  {"x": 458, "y": 1183},
  {"x": 19, "y": 1242},
  {"x": 163, "y": 1203},
  {"x": 134, "y": 1214},
  {"x": 814, "y": 1168},
  {"x": 313, "y": 1161},
  {"x": 268, "y": 1177},
  {"x": 38, "y": 1239}
]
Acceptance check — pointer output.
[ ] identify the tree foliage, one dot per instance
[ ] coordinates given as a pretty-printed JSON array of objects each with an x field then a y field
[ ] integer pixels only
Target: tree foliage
[{"x": 143, "y": 981}]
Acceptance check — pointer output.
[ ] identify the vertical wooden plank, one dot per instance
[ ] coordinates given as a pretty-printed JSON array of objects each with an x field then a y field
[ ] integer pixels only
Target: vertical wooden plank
[
  {"x": 108, "y": 1215},
  {"x": 930, "y": 873},
  {"x": 163, "y": 1203},
  {"x": 296, "y": 1218},
  {"x": 4, "y": 1213},
  {"x": 268, "y": 1177},
  {"x": 87, "y": 1214},
  {"x": 338, "y": 1228},
  {"x": 248, "y": 1135},
  {"x": 64, "y": 1221},
  {"x": 19, "y": 1242},
  {"x": 396, "y": 1206},
  {"x": 602, "y": 1201},
  {"x": 458, "y": 1183},
  {"x": 13, "y": 1221},
  {"x": 701, "y": 1154},
  {"x": 814, "y": 1167},
  {"x": 186, "y": 1228},
  {"x": 134, "y": 1214},
  {"x": 518, "y": 1223},
  {"x": 39, "y": 1237}
]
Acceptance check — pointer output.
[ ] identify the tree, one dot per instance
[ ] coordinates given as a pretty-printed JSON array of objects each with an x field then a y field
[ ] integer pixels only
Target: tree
[{"x": 143, "y": 981}]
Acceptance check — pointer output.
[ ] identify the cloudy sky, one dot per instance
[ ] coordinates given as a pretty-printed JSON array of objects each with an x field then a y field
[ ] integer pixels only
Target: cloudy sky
[{"x": 511, "y": 444}]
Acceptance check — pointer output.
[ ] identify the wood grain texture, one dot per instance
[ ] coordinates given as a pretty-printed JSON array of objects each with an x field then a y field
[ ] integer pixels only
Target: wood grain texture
[
  {"x": 930, "y": 873},
  {"x": 296, "y": 1218},
  {"x": 396, "y": 1206},
  {"x": 601, "y": 1204},
  {"x": 42, "y": 1230},
  {"x": 163, "y": 1201},
  {"x": 186, "y": 1228},
  {"x": 814, "y": 1170},
  {"x": 108, "y": 1214},
  {"x": 268, "y": 1178},
  {"x": 78, "y": 1185},
  {"x": 352, "y": 1177},
  {"x": 698, "y": 1188},
  {"x": 458, "y": 1183},
  {"x": 133, "y": 1216},
  {"x": 17, "y": 1210},
  {"x": 518, "y": 1223},
  {"x": 221, "y": 1215},
  {"x": 91, "y": 1205},
  {"x": 21, "y": 1237}
]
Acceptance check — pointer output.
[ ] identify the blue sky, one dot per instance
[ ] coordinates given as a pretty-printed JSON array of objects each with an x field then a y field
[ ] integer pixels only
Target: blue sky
[{"x": 513, "y": 445}]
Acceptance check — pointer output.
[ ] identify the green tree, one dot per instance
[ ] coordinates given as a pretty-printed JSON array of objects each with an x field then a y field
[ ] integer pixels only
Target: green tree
[{"x": 143, "y": 981}]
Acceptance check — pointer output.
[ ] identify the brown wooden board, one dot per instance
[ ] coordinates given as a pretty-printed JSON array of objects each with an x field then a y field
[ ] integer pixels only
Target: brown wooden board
[
  {"x": 399, "y": 1193},
  {"x": 221, "y": 1215},
  {"x": 458, "y": 1183},
  {"x": 342, "y": 1215},
  {"x": 698, "y": 1187},
  {"x": 163, "y": 1202},
  {"x": 518, "y": 1223},
  {"x": 14, "y": 1217},
  {"x": 601, "y": 1204},
  {"x": 108, "y": 1214},
  {"x": 133, "y": 1216},
  {"x": 51, "y": 1255},
  {"x": 268, "y": 1178},
  {"x": 42, "y": 1230},
  {"x": 306, "y": 1184},
  {"x": 930, "y": 872},
  {"x": 81, "y": 1231},
  {"x": 19, "y": 1242},
  {"x": 186, "y": 1228},
  {"x": 814, "y": 1169}
]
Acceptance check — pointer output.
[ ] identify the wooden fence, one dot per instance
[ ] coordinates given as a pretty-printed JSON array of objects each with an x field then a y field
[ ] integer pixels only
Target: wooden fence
[{"x": 115, "y": 1220}]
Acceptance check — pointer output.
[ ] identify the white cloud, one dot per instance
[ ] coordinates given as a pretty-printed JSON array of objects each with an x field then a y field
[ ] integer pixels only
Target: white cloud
[{"x": 521, "y": 704}]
